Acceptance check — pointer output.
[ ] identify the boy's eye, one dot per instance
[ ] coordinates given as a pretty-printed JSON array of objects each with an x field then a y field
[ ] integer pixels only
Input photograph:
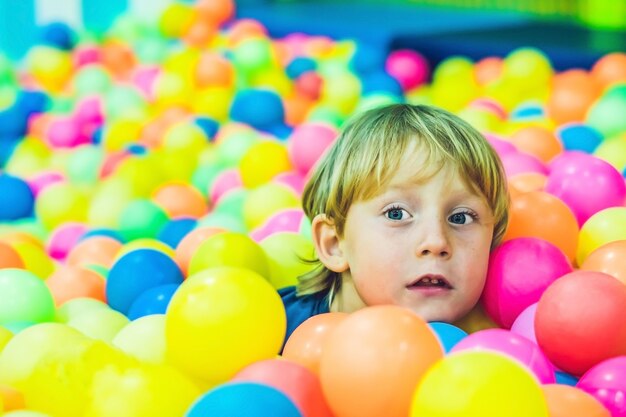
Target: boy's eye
[
  {"x": 396, "y": 214},
  {"x": 461, "y": 218}
]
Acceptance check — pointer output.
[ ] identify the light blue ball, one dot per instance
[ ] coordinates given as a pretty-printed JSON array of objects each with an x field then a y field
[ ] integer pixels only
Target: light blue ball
[
  {"x": 579, "y": 137},
  {"x": 152, "y": 301},
  {"x": 448, "y": 334},
  {"x": 16, "y": 198}
]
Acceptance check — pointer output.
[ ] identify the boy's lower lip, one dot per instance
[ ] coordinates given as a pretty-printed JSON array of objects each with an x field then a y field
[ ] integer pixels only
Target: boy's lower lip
[{"x": 429, "y": 291}]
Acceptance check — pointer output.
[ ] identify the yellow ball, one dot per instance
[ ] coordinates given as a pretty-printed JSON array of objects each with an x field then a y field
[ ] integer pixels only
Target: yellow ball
[
  {"x": 176, "y": 20},
  {"x": 108, "y": 201},
  {"x": 35, "y": 258},
  {"x": 222, "y": 320},
  {"x": 51, "y": 67},
  {"x": 603, "y": 227},
  {"x": 120, "y": 133},
  {"x": 77, "y": 306},
  {"x": 5, "y": 336},
  {"x": 613, "y": 151},
  {"x": 478, "y": 384},
  {"x": 213, "y": 102},
  {"x": 262, "y": 202},
  {"x": 60, "y": 203},
  {"x": 528, "y": 67},
  {"x": 100, "y": 323},
  {"x": 287, "y": 253},
  {"x": 262, "y": 162},
  {"x": 229, "y": 249},
  {"x": 143, "y": 339}
]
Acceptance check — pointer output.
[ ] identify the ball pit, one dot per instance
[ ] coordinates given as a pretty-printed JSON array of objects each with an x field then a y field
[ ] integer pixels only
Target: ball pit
[{"x": 150, "y": 188}]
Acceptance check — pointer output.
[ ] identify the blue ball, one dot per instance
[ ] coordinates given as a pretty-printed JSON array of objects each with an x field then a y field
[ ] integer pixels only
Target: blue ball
[
  {"x": 299, "y": 66},
  {"x": 152, "y": 301},
  {"x": 244, "y": 399},
  {"x": 136, "y": 272},
  {"x": 13, "y": 122},
  {"x": 58, "y": 35},
  {"x": 382, "y": 82},
  {"x": 32, "y": 101},
  {"x": 175, "y": 230},
  {"x": 16, "y": 198},
  {"x": 565, "y": 379},
  {"x": 579, "y": 137},
  {"x": 367, "y": 58},
  {"x": 136, "y": 149},
  {"x": 7, "y": 146},
  {"x": 208, "y": 126},
  {"x": 448, "y": 334},
  {"x": 260, "y": 109},
  {"x": 104, "y": 232}
]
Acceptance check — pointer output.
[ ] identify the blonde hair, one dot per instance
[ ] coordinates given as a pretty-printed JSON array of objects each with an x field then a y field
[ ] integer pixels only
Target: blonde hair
[{"x": 367, "y": 153}]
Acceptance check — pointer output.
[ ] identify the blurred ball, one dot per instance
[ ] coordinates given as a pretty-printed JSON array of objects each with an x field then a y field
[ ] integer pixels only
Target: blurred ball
[
  {"x": 606, "y": 382},
  {"x": 524, "y": 324},
  {"x": 484, "y": 384},
  {"x": 528, "y": 66},
  {"x": 609, "y": 258},
  {"x": 288, "y": 220},
  {"x": 544, "y": 216},
  {"x": 527, "y": 183},
  {"x": 214, "y": 70},
  {"x": 99, "y": 323},
  {"x": 488, "y": 69},
  {"x": 448, "y": 334},
  {"x": 356, "y": 385},
  {"x": 261, "y": 109},
  {"x": 537, "y": 141},
  {"x": 65, "y": 132},
  {"x": 610, "y": 69},
  {"x": 24, "y": 297},
  {"x": 586, "y": 184},
  {"x": 262, "y": 162},
  {"x": 16, "y": 199},
  {"x": 229, "y": 249},
  {"x": 152, "y": 301},
  {"x": 77, "y": 306},
  {"x": 521, "y": 163},
  {"x": 237, "y": 399},
  {"x": 144, "y": 339},
  {"x": 581, "y": 320},
  {"x": 603, "y": 227},
  {"x": 188, "y": 245},
  {"x": 307, "y": 143},
  {"x": 60, "y": 203},
  {"x": 142, "y": 218},
  {"x": 519, "y": 271},
  {"x": 175, "y": 230},
  {"x": 136, "y": 272},
  {"x": 565, "y": 401},
  {"x": 604, "y": 113},
  {"x": 69, "y": 282},
  {"x": 95, "y": 250},
  {"x": 613, "y": 151},
  {"x": 512, "y": 345},
  {"x": 180, "y": 200},
  {"x": 285, "y": 252},
  {"x": 410, "y": 68},
  {"x": 9, "y": 257},
  {"x": 573, "y": 92},
  {"x": 221, "y": 320},
  {"x": 297, "y": 382},
  {"x": 579, "y": 137},
  {"x": 226, "y": 181},
  {"x": 266, "y": 200},
  {"x": 63, "y": 239}
]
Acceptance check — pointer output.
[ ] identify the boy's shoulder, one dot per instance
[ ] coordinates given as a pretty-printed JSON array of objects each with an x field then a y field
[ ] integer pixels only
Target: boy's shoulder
[{"x": 300, "y": 308}]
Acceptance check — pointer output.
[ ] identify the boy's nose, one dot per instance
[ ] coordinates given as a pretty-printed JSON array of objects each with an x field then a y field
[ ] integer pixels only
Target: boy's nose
[{"x": 434, "y": 242}]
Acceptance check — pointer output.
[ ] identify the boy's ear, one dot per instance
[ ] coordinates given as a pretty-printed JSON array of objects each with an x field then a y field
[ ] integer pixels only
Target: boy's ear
[{"x": 326, "y": 241}]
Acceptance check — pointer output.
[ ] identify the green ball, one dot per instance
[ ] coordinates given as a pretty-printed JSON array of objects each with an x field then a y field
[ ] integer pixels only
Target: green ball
[
  {"x": 234, "y": 147},
  {"x": 24, "y": 298},
  {"x": 607, "y": 114},
  {"x": 83, "y": 165},
  {"x": 232, "y": 203},
  {"x": 142, "y": 219},
  {"x": 253, "y": 55},
  {"x": 204, "y": 175},
  {"x": 223, "y": 220},
  {"x": 92, "y": 80}
]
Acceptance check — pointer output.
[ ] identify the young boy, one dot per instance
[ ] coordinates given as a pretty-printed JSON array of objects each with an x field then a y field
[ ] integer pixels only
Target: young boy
[{"x": 405, "y": 208}]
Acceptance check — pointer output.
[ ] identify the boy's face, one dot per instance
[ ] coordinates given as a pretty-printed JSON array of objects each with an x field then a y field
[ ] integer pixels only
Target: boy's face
[{"x": 422, "y": 244}]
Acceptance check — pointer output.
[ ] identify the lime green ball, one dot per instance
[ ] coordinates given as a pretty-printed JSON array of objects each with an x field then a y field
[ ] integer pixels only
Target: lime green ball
[
  {"x": 60, "y": 203},
  {"x": 232, "y": 148},
  {"x": 176, "y": 19},
  {"x": 24, "y": 298},
  {"x": 83, "y": 165},
  {"x": 252, "y": 55},
  {"x": 266, "y": 200},
  {"x": 108, "y": 201},
  {"x": 76, "y": 307},
  {"x": 376, "y": 100},
  {"x": 224, "y": 220},
  {"x": 613, "y": 151},
  {"x": 528, "y": 66},
  {"x": 204, "y": 175},
  {"x": 91, "y": 80},
  {"x": 232, "y": 203},
  {"x": 126, "y": 102},
  {"x": 607, "y": 114},
  {"x": 324, "y": 114},
  {"x": 287, "y": 253},
  {"x": 455, "y": 68},
  {"x": 142, "y": 218}
]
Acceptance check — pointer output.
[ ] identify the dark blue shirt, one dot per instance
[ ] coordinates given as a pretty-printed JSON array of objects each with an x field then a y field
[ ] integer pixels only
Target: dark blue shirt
[{"x": 299, "y": 309}]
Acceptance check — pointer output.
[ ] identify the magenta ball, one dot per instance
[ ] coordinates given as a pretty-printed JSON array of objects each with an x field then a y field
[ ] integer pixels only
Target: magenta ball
[
  {"x": 501, "y": 146},
  {"x": 64, "y": 238},
  {"x": 89, "y": 112},
  {"x": 512, "y": 345},
  {"x": 607, "y": 383},
  {"x": 307, "y": 143},
  {"x": 45, "y": 178},
  {"x": 227, "y": 180},
  {"x": 586, "y": 184},
  {"x": 288, "y": 220},
  {"x": 294, "y": 180},
  {"x": 519, "y": 272},
  {"x": 408, "y": 67},
  {"x": 65, "y": 132},
  {"x": 524, "y": 324},
  {"x": 522, "y": 163}
]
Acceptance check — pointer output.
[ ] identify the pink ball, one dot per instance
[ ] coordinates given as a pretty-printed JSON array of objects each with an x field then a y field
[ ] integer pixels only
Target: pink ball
[
  {"x": 89, "y": 111},
  {"x": 519, "y": 272},
  {"x": 65, "y": 132},
  {"x": 307, "y": 143},
  {"x": 501, "y": 146},
  {"x": 512, "y": 345},
  {"x": 64, "y": 238},
  {"x": 144, "y": 78},
  {"x": 84, "y": 55},
  {"x": 607, "y": 383},
  {"x": 408, "y": 67},
  {"x": 520, "y": 163},
  {"x": 586, "y": 184},
  {"x": 524, "y": 324},
  {"x": 293, "y": 180},
  {"x": 44, "y": 179},
  {"x": 227, "y": 180},
  {"x": 288, "y": 220}
]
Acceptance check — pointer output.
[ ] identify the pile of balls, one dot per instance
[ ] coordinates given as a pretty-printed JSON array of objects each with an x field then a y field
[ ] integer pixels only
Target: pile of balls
[{"x": 150, "y": 208}]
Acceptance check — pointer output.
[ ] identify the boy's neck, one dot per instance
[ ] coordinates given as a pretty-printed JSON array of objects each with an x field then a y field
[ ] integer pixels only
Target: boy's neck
[{"x": 347, "y": 299}]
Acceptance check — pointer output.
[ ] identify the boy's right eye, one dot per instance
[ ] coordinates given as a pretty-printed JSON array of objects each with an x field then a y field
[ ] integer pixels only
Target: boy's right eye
[{"x": 396, "y": 213}]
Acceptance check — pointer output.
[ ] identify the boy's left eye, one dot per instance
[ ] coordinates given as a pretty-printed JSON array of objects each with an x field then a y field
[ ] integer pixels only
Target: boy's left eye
[
  {"x": 396, "y": 213},
  {"x": 461, "y": 218}
]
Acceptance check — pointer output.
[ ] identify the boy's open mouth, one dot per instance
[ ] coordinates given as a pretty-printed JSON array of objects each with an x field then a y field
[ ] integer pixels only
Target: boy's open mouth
[{"x": 430, "y": 281}]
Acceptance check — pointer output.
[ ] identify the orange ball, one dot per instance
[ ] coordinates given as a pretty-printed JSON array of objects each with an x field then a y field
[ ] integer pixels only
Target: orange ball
[
  {"x": 12, "y": 398},
  {"x": 200, "y": 33},
  {"x": 374, "y": 359},
  {"x": 69, "y": 282},
  {"x": 95, "y": 250},
  {"x": 537, "y": 141},
  {"x": 296, "y": 109},
  {"x": 306, "y": 343},
  {"x": 244, "y": 29},
  {"x": 216, "y": 11},
  {"x": 180, "y": 200},
  {"x": 188, "y": 245},
  {"x": 9, "y": 258},
  {"x": 566, "y": 401},
  {"x": 214, "y": 70},
  {"x": 542, "y": 215},
  {"x": 526, "y": 182},
  {"x": 118, "y": 58},
  {"x": 488, "y": 70},
  {"x": 573, "y": 92},
  {"x": 610, "y": 69},
  {"x": 609, "y": 258}
]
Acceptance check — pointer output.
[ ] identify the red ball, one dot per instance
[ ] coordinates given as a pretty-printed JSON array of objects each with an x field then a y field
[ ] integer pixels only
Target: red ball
[{"x": 581, "y": 320}]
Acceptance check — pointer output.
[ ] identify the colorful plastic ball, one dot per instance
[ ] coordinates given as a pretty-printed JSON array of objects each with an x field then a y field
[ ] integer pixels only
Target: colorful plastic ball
[
  {"x": 143, "y": 339},
  {"x": 544, "y": 216},
  {"x": 95, "y": 250},
  {"x": 152, "y": 301},
  {"x": 77, "y": 306},
  {"x": 410, "y": 68},
  {"x": 17, "y": 199},
  {"x": 586, "y": 184},
  {"x": 603, "y": 227},
  {"x": 488, "y": 70},
  {"x": 142, "y": 218},
  {"x": 478, "y": 383},
  {"x": 226, "y": 181},
  {"x": 566, "y": 401},
  {"x": 180, "y": 200},
  {"x": 606, "y": 382},
  {"x": 9, "y": 257},
  {"x": 609, "y": 258},
  {"x": 264, "y": 201},
  {"x": 288, "y": 220},
  {"x": 69, "y": 282},
  {"x": 221, "y": 320},
  {"x": 307, "y": 143},
  {"x": 261, "y": 109},
  {"x": 537, "y": 141},
  {"x": 381, "y": 83},
  {"x": 297, "y": 382},
  {"x": 521, "y": 163},
  {"x": 573, "y": 92},
  {"x": 285, "y": 252},
  {"x": 136, "y": 272},
  {"x": 610, "y": 69},
  {"x": 214, "y": 70},
  {"x": 529, "y": 66},
  {"x": 259, "y": 400},
  {"x": 581, "y": 320},
  {"x": 501, "y": 146},
  {"x": 604, "y": 113},
  {"x": 519, "y": 272},
  {"x": 299, "y": 65},
  {"x": 175, "y": 230},
  {"x": 613, "y": 151},
  {"x": 50, "y": 67},
  {"x": 524, "y": 324},
  {"x": 513, "y": 345},
  {"x": 24, "y": 297},
  {"x": 579, "y": 137},
  {"x": 189, "y": 244},
  {"x": 101, "y": 324},
  {"x": 229, "y": 249},
  {"x": 357, "y": 385},
  {"x": 60, "y": 203},
  {"x": 64, "y": 238},
  {"x": 262, "y": 162},
  {"x": 449, "y": 335}
]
